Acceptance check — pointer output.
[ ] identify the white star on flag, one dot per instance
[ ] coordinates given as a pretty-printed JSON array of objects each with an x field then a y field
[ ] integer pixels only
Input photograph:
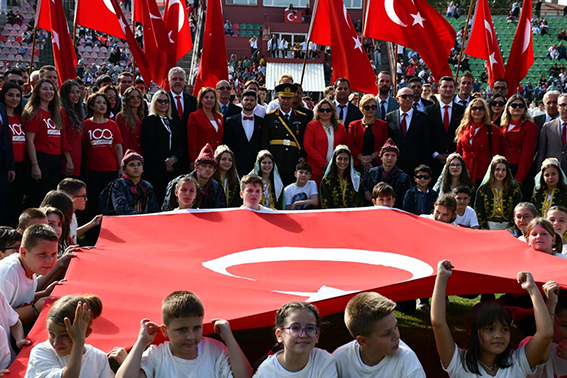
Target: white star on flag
[
  {"x": 122, "y": 25},
  {"x": 56, "y": 38},
  {"x": 169, "y": 36},
  {"x": 417, "y": 19},
  {"x": 357, "y": 44},
  {"x": 492, "y": 59}
]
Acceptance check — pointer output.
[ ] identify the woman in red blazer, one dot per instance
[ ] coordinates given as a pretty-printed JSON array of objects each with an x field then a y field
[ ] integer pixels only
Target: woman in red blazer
[
  {"x": 367, "y": 135},
  {"x": 204, "y": 125},
  {"x": 472, "y": 137},
  {"x": 321, "y": 137},
  {"x": 520, "y": 137}
]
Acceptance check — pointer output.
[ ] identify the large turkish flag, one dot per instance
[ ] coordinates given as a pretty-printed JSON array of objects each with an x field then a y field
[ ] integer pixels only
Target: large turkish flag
[{"x": 244, "y": 265}]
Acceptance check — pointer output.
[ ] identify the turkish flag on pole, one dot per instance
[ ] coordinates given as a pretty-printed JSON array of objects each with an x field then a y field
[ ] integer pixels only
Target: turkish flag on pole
[
  {"x": 98, "y": 15},
  {"x": 521, "y": 55},
  {"x": 349, "y": 57},
  {"x": 414, "y": 24},
  {"x": 483, "y": 43},
  {"x": 213, "y": 64},
  {"x": 63, "y": 51},
  {"x": 177, "y": 28}
]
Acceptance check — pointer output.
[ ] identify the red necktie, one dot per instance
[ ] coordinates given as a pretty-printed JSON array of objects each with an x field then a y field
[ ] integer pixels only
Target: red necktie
[
  {"x": 247, "y": 118},
  {"x": 446, "y": 119},
  {"x": 564, "y": 134},
  {"x": 179, "y": 107},
  {"x": 404, "y": 124}
]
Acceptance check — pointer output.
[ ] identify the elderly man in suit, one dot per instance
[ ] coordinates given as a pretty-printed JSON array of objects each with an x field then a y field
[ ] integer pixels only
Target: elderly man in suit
[
  {"x": 409, "y": 129},
  {"x": 228, "y": 109},
  {"x": 553, "y": 137},
  {"x": 243, "y": 133},
  {"x": 386, "y": 103},
  {"x": 346, "y": 111}
]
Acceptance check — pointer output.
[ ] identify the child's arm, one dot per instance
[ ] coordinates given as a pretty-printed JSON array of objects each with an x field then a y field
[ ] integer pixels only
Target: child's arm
[
  {"x": 443, "y": 338},
  {"x": 537, "y": 346},
  {"x": 96, "y": 221},
  {"x": 551, "y": 291},
  {"x": 314, "y": 200},
  {"x": 131, "y": 367},
  {"x": 240, "y": 366},
  {"x": 77, "y": 332},
  {"x": 17, "y": 332}
]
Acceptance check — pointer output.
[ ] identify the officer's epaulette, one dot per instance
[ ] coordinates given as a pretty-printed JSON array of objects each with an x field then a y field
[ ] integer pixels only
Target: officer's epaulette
[
  {"x": 273, "y": 111},
  {"x": 300, "y": 113}
]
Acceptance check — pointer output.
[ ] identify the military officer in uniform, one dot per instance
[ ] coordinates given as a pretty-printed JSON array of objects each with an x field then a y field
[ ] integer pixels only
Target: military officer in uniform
[{"x": 283, "y": 133}]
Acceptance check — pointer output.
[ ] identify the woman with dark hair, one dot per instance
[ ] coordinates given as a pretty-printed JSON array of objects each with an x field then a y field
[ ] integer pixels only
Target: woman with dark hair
[
  {"x": 72, "y": 117},
  {"x": 340, "y": 187},
  {"x": 61, "y": 201},
  {"x": 550, "y": 186},
  {"x": 497, "y": 103},
  {"x": 44, "y": 137},
  {"x": 321, "y": 137},
  {"x": 454, "y": 173},
  {"x": 130, "y": 119},
  {"x": 114, "y": 104},
  {"x": 206, "y": 124},
  {"x": 227, "y": 176}
]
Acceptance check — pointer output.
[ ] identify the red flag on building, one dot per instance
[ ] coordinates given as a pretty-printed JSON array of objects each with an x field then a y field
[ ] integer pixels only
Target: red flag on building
[
  {"x": 98, "y": 15},
  {"x": 414, "y": 24},
  {"x": 521, "y": 55},
  {"x": 483, "y": 43},
  {"x": 213, "y": 64},
  {"x": 349, "y": 57},
  {"x": 63, "y": 52}
]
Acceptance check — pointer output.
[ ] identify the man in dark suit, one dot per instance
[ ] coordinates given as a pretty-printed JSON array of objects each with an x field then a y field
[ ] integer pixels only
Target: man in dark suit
[
  {"x": 7, "y": 165},
  {"x": 416, "y": 86},
  {"x": 243, "y": 133},
  {"x": 386, "y": 103},
  {"x": 297, "y": 103},
  {"x": 346, "y": 111},
  {"x": 444, "y": 118},
  {"x": 466, "y": 84},
  {"x": 227, "y": 108},
  {"x": 282, "y": 133},
  {"x": 409, "y": 129},
  {"x": 553, "y": 137}
]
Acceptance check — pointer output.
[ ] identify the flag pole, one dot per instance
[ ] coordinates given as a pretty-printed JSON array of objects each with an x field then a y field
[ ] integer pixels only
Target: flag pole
[
  {"x": 465, "y": 35},
  {"x": 75, "y": 24},
  {"x": 132, "y": 9},
  {"x": 308, "y": 40},
  {"x": 395, "y": 68},
  {"x": 34, "y": 35}
]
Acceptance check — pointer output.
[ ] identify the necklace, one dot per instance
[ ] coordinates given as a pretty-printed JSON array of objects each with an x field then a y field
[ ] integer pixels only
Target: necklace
[{"x": 486, "y": 367}]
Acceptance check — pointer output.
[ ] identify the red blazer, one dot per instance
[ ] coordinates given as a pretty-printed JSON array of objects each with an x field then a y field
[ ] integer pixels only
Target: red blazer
[
  {"x": 201, "y": 131},
  {"x": 356, "y": 137},
  {"x": 315, "y": 143},
  {"x": 477, "y": 156},
  {"x": 519, "y": 146}
]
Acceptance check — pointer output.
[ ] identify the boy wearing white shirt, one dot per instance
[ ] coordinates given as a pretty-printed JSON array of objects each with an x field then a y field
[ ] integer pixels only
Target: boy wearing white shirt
[
  {"x": 303, "y": 194},
  {"x": 377, "y": 350}
]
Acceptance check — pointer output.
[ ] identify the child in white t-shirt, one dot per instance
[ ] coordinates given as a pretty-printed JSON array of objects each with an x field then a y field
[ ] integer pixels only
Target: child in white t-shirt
[
  {"x": 187, "y": 354},
  {"x": 303, "y": 194},
  {"x": 10, "y": 325},
  {"x": 466, "y": 216},
  {"x": 377, "y": 350}
]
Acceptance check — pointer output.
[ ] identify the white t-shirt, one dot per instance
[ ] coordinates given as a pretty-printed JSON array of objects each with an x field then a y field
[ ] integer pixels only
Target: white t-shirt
[
  {"x": 404, "y": 364},
  {"x": 8, "y": 317},
  {"x": 294, "y": 193},
  {"x": 555, "y": 366},
  {"x": 45, "y": 363},
  {"x": 468, "y": 219},
  {"x": 5, "y": 353},
  {"x": 320, "y": 365},
  {"x": 212, "y": 361},
  {"x": 18, "y": 289},
  {"x": 73, "y": 228},
  {"x": 520, "y": 366}
]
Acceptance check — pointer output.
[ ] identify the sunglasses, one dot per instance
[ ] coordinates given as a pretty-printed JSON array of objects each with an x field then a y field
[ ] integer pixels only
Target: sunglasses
[
  {"x": 422, "y": 177},
  {"x": 19, "y": 82},
  {"x": 406, "y": 96},
  {"x": 515, "y": 105},
  {"x": 161, "y": 102},
  {"x": 325, "y": 110},
  {"x": 477, "y": 107},
  {"x": 497, "y": 103},
  {"x": 224, "y": 88},
  {"x": 499, "y": 88},
  {"x": 370, "y": 107}
]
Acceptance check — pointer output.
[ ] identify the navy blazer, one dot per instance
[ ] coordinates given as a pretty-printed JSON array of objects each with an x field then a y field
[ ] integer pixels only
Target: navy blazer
[{"x": 410, "y": 200}]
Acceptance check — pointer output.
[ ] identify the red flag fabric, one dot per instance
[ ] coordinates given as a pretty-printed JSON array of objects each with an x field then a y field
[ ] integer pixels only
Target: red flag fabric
[
  {"x": 99, "y": 15},
  {"x": 414, "y": 24},
  {"x": 349, "y": 57},
  {"x": 52, "y": 18},
  {"x": 212, "y": 67},
  {"x": 483, "y": 43},
  {"x": 178, "y": 30},
  {"x": 317, "y": 256},
  {"x": 521, "y": 55}
]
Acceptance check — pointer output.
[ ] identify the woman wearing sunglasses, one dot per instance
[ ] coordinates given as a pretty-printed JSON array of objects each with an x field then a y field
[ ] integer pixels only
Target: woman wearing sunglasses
[
  {"x": 206, "y": 124},
  {"x": 520, "y": 138},
  {"x": 130, "y": 119},
  {"x": 497, "y": 103},
  {"x": 322, "y": 135},
  {"x": 367, "y": 135},
  {"x": 478, "y": 140},
  {"x": 162, "y": 141}
]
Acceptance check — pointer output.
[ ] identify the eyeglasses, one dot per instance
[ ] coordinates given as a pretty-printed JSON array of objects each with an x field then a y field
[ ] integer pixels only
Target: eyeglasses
[
  {"x": 454, "y": 165},
  {"x": 406, "y": 96},
  {"x": 422, "y": 177},
  {"x": 14, "y": 81},
  {"x": 370, "y": 107},
  {"x": 84, "y": 196},
  {"x": 497, "y": 103},
  {"x": 297, "y": 331},
  {"x": 477, "y": 108},
  {"x": 224, "y": 88},
  {"x": 499, "y": 88},
  {"x": 161, "y": 102},
  {"x": 515, "y": 105},
  {"x": 562, "y": 105},
  {"x": 325, "y": 110}
]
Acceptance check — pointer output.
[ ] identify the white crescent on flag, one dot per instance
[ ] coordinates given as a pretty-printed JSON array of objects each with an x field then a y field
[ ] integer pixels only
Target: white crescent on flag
[
  {"x": 389, "y": 5},
  {"x": 180, "y": 14},
  {"x": 108, "y": 4},
  {"x": 527, "y": 37}
]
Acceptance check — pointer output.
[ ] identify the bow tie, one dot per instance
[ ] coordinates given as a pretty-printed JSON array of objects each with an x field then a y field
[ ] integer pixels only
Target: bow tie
[{"x": 247, "y": 118}]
